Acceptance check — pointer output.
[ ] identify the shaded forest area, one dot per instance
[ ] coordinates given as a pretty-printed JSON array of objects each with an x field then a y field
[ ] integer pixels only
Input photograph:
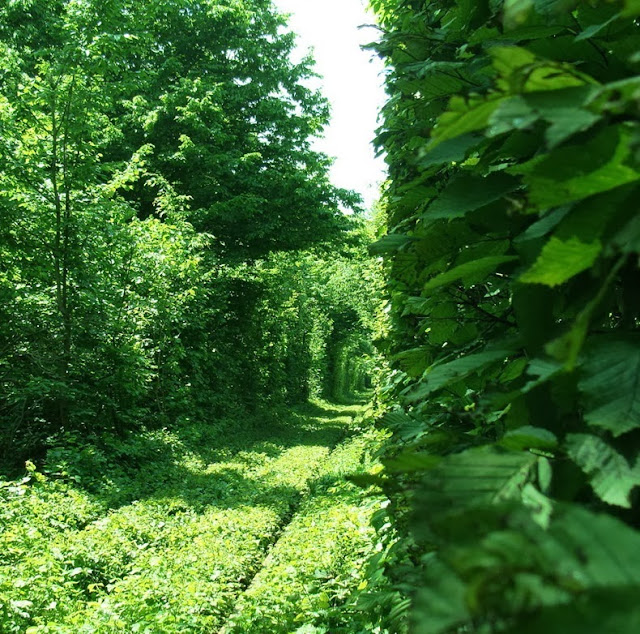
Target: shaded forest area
[
  {"x": 181, "y": 289},
  {"x": 170, "y": 244}
]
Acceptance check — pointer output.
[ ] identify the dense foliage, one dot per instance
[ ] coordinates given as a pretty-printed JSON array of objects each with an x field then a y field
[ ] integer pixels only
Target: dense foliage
[
  {"x": 512, "y": 133},
  {"x": 177, "y": 276},
  {"x": 157, "y": 191},
  {"x": 169, "y": 530}
]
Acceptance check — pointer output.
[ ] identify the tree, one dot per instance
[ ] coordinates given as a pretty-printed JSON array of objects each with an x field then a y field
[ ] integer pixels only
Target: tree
[
  {"x": 211, "y": 88},
  {"x": 147, "y": 147}
]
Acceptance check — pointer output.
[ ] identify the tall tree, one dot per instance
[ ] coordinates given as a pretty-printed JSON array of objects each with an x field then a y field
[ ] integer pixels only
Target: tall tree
[
  {"x": 212, "y": 88},
  {"x": 143, "y": 144}
]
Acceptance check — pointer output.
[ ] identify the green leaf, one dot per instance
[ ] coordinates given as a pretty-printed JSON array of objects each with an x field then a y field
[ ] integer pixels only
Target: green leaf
[
  {"x": 631, "y": 8},
  {"x": 542, "y": 370},
  {"x": 609, "y": 473},
  {"x": 477, "y": 477},
  {"x": 562, "y": 109},
  {"x": 441, "y": 603},
  {"x": 610, "y": 383},
  {"x": 441, "y": 331},
  {"x": 594, "y": 29},
  {"x": 469, "y": 192},
  {"x": 551, "y": 7},
  {"x": 418, "y": 306},
  {"x": 561, "y": 260},
  {"x": 599, "y": 550},
  {"x": 529, "y": 437},
  {"x": 543, "y": 226},
  {"x": 586, "y": 567},
  {"x": 567, "y": 347},
  {"x": 512, "y": 114},
  {"x": 529, "y": 33},
  {"x": 611, "y": 549},
  {"x": 396, "y": 418},
  {"x": 509, "y": 59},
  {"x": 513, "y": 370},
  {"x": 462, "y": 118},
  {"x": 415, "y": 360},
  {"x": 516, "y": 12},
  {"x": 443, "y": 374},
  {"x": 590, "y": 219},
  {"x": 452, "y": 151},
  {"x": 522, "y": 71},
  {"x": 572, "y": 173},
  {"x": 615, "y": 610},
  {"x": 411, "y": 461},
  {"x": 470, "y": 273},
  {"x": 536, "y": 571},
  {"x": 389, "y": 244},
  {"x": 624, "y": 89},
  {"x": 566, "y": 122},
  {"x": 628, "y": 238}
]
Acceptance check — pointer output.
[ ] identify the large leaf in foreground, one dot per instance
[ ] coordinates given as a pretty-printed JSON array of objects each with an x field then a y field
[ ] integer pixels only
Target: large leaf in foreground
[
  {"x": 470, "y": 272},
  {"x": 609, "y": 472},
  {"x": 388, "y": 244},
  {"x": 610, "y": 384},
  {"x": 597, "y": 558},
  {"x": 601, "y": 550},
  {"x": 575, "y": 172},
  {"x": 477, "y": 477},
  {"x": 584, "y": 569},
  {"x": 561, "y": 260},
  {"x": 615, "y": 610},
  {"x": 445, "y": 373},
  {"x": 469, "y": 192},
  {"x": 441, "y": 603}
]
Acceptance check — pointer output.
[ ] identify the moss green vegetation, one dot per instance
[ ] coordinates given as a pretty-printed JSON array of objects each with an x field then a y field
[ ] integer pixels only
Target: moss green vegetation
[
  {"x": 253, "y": 529},
  {"x": 308, "y": 580}
]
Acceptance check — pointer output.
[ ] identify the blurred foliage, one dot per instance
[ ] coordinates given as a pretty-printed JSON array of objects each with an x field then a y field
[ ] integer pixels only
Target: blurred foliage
[{"x": 511, "y": 252}]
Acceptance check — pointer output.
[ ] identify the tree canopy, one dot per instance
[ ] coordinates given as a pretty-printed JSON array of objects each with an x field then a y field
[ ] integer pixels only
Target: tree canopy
[
  {"x": 156, "y": 164},
  {"x": 200, "y": 98}
]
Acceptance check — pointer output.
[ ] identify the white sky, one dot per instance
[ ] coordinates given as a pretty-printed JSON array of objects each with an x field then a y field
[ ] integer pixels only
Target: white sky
[{"x": 352, "y": 82}]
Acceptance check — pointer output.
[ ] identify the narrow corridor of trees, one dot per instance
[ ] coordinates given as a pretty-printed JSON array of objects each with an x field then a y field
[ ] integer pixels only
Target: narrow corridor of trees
[
  {"x": 231, "y": 400},
  {"x": 170, "y": 244}
]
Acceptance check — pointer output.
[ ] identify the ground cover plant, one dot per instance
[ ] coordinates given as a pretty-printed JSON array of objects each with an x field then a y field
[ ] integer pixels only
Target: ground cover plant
[
  {"x": 173, "y": 547},
  {"x": 512, "y": 260},
  {"x": 333, "y": 532}
]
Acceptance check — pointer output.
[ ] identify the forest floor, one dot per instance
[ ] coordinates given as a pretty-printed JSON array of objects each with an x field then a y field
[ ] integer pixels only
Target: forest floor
[{"x": 227, "y": 528}]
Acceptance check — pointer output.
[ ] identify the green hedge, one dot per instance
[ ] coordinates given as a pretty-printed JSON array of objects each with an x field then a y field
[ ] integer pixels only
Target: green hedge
[{"x": 513, "y": 137}]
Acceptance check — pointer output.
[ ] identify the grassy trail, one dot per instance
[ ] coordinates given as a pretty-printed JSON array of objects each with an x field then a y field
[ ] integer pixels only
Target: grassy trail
[{"x": 224, "y": 529}]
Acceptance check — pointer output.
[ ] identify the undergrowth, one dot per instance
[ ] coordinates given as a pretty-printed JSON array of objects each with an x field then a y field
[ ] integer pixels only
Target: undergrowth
[{"x": 163, "y": 531}]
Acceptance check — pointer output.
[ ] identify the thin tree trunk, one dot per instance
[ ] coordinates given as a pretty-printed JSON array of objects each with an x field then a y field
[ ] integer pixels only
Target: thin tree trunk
[{"x": 62, "y": 244}]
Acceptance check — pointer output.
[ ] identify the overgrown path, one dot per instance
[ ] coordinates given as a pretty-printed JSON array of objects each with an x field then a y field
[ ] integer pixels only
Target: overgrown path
[{"x": 235, "y": 528}]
